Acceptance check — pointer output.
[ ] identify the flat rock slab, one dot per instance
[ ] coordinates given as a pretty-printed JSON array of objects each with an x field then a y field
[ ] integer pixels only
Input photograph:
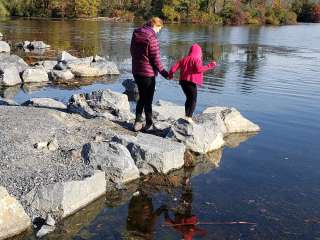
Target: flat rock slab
[
  {"x": 65, "y": 198},
  {"x": 233, "y": 119},
  {"x": 13, "y": 218},
  {"x": 114, "y": 159},
  {"x": 167, "y": 111},
  {"x": 204, "y": 135},
  {"x": 154, "y": 154},
  {"x": 45, "y": 103}
]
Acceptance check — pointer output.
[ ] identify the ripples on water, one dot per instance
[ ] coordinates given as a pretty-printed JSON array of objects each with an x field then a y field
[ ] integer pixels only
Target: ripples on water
[{"x": 271, "y": 74}]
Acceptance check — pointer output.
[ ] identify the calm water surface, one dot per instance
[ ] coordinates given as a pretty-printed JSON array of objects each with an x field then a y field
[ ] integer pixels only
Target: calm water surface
[{"x": 271, "y": 74}]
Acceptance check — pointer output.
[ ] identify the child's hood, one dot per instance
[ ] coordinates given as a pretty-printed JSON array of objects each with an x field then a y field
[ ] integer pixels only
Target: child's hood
[{"x": 195, "y": 51}]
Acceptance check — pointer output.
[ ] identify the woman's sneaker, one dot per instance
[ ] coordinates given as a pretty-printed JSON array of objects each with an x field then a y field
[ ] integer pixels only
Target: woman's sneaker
[{"x": 137, "y": 126}]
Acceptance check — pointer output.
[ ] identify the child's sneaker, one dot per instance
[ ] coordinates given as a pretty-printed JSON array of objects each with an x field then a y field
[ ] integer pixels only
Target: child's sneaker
[
  {"x": 137, "y": 126},
  {"x": 189, "y": 120}
]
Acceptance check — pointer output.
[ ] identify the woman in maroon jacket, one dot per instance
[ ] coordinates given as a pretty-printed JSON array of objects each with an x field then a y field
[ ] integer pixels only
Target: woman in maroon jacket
[{"x": 146, "y": 64}]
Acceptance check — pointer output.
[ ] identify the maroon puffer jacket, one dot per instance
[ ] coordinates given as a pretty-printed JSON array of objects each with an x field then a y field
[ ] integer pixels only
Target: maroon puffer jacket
[{"x": 145, "y": 52}]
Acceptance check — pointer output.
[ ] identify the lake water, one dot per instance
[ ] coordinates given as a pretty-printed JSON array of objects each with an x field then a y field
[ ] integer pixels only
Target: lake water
[{"x": 270, "y": 74}]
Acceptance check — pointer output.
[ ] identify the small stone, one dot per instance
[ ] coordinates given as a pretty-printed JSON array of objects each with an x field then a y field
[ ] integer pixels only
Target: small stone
[
  {"x": 50, "y": 220},
  {"x": 45, "y": 230},
  {"x": 53, "y": 145},
  {"x": 41, "y": 145}
]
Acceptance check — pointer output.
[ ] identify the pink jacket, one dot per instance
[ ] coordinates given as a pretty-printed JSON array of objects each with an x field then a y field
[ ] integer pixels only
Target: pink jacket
[{"x": 191, "y": 68}]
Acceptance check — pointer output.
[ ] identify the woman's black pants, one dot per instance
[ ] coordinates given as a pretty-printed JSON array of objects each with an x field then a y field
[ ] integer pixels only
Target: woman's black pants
[
  {"x": 146, "y": 86},
  {"x": 190, "y": 90}
]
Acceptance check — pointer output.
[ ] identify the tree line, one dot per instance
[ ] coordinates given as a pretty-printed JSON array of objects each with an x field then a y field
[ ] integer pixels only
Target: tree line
[{"x": 231, "y": 12}]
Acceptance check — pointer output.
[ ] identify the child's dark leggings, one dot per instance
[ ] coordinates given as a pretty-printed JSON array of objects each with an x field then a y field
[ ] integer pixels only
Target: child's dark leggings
[
  {"x": 146, "y": 87},
  {"x": 190, "y": 90}
]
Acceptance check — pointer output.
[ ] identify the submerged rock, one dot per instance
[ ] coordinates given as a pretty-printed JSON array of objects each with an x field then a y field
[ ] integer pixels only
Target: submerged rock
[
  {"x": 65, "y": 198},
  {"x": 234, "y": 121},
  {"x": 9, "y": 76},
  {"x": 114, "y": 159},
  {"x": 204, "y": 135},
  {"x": 13, "y": 218},
  {"x": 35, "y": 74},
  {"x": 154, "y": 154},
  {"x": 44, "y": 102},
  {"x": 101, "y": 103},
  {"x": 4, "y": 47}
]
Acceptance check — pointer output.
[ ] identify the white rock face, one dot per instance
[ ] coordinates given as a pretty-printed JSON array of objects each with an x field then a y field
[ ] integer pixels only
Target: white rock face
[
  {"x": 44, "y": 102},
  {"x": 204, "y": 135},
  {"x": 114, "y": 159},
  {"x": 234, "y": 121},
  {"x": 38, "y": 45},
  {"x": 65, "y": 198},
  {"x": 13, "y": 219},
  {"x": 9, "y": 76},
  {"x": 35, "y": 74},
  {"x": 64, "y": 75},
  {"x": 4, "y": 47},
  {"x": 154, "y": 154}
]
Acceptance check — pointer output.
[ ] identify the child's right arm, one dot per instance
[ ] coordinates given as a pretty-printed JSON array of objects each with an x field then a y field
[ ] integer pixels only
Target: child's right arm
[
  {"x": 203, "y": 68},
  {"x": 173, "y": 69}
]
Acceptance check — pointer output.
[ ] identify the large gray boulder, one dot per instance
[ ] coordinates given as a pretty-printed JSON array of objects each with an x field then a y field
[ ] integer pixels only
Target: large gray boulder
[
  {"x": 48, "y": 65},
  {"x": 13, "y": 218},
  {"x": 204, "y": 135},
  {"x": 36, "y": 74},
  {"x": 93, "y": 69},
  {"x": 103, "y": 103},
  {"x": 167, "y": 111},
  {"x": 154, "y": 154},
  {"x": 9, "y": 76},
  {"x": 45, "y": 102},
  {"x": 114, "y": 159},
  {"x": 65, "y": 198},
  {"x": 64, "y": 75},
  {"x": 234, "y": 121},
  {"x": 4, "y": 47},
  {"x": 130, "y": 86},
  {"x": 7, "y": 60}
]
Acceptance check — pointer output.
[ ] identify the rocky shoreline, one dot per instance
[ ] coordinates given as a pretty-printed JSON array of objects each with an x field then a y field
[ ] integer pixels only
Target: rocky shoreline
[{"x": 57, "y": 158}]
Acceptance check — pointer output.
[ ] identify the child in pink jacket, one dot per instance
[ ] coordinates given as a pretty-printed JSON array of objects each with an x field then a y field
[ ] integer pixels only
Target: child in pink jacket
[{"x": 191, "y": 75}]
